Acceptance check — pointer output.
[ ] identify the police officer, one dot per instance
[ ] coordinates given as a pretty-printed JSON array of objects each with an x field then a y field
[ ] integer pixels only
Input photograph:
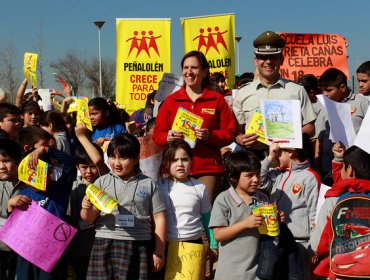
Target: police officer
[{"x": 268, "y": 58}]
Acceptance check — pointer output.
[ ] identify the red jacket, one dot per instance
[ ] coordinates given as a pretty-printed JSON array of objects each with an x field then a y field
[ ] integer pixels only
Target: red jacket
[{"x": 217, "y": 117}]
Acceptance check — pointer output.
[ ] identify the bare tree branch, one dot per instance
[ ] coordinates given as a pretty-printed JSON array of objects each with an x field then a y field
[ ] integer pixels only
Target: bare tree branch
[{"x": 71, "y": 68}]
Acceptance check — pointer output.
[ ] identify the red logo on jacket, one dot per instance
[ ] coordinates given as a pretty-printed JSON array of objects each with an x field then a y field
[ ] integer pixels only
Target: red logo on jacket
[{"x": 296, "y": 189}]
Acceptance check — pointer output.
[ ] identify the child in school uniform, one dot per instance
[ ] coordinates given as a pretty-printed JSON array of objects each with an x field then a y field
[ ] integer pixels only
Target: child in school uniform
[
  {"x": 135, "y": 248},
  {"x": 89, "y": 160},
  {"x": 10, "y": 156},
  {"x": 294, "y": 187},
  {"x": 234, "y": 227}
]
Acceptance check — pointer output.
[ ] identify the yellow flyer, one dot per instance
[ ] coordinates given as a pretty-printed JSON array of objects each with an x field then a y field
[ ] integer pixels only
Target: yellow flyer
[
  {"x": 83, "y": 113},
  {"x": 35, "y": 177},
  {"x": 103, "y": 201},
  {"x": 29, "y": 68},
  {"x": 185, "y": 260},
  {"x": 187, "y": 123},
  {"x": 256, "y": 126},
  {"x": 270, "y": 224}
]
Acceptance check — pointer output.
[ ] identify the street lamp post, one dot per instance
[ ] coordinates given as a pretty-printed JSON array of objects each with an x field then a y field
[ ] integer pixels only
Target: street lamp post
[
  {"x": 238, "y": 38},
  {"x": 99, "y": 25}
]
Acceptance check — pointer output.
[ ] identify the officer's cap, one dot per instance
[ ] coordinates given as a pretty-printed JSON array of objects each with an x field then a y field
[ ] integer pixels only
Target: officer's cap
[{"x": 268, "y": 43}]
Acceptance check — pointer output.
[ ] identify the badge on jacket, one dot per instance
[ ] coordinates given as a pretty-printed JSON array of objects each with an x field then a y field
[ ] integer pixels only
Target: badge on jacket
[
  {"x": 208, "y": 111},
  {"x": 296, "y": 189}
]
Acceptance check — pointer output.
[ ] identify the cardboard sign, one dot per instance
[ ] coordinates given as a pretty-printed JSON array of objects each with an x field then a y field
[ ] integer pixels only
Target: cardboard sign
[
  {"x": 37, "y": 235},
  {"x": 313, "y": 54},
  {"x": 270, "y": 224},
  {"x": 102, "y": 200},
  {"x": 169, "y": 84},
  {"x": 187, "y": 123},
  {"x": 185, "y": 261},
  {"x": 35, "y": 177}
]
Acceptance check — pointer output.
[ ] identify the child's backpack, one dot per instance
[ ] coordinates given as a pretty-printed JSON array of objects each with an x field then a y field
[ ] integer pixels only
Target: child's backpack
[{"x": 350, "y": 244}]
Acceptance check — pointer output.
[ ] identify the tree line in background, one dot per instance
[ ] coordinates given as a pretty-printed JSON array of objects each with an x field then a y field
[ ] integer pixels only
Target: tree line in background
[{"x": 78, "y": 71}]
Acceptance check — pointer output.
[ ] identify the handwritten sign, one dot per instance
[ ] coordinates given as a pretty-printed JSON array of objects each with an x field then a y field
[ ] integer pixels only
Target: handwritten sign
[
  {"x": 102, "y": 200},
  {"x": 270, "y": 224},
  {"x": 35, "y": 177},
  {"x": 187, "y": 123},
  {"x": 312, "y": 54},
  {"x": 185, "y": 261},
  {"x": 37, "y": 235},
  {"x": 256, "y": 126}
]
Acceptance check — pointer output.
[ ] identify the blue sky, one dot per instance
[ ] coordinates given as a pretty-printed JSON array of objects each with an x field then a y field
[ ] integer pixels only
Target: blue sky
[{"x": 68, "y": 24}]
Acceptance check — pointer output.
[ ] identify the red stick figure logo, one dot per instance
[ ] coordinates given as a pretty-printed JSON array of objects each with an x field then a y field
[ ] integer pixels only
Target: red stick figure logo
[
  {"x": 213, "y": 39},
  {"x": 143, "y": 43}
]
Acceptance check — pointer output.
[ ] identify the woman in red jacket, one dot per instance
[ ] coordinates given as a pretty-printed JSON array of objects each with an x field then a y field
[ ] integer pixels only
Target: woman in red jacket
[{"x": 218, "y": 128}]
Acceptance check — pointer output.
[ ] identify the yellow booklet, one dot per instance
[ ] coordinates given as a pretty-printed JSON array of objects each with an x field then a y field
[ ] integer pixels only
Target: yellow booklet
[
  {"x": 83, "y": 113},
  {"x": 29, "y": 68},
  {"x": 35, "y": 177},
  {"x": 270, "y": 224},
  {"x": 256, "y": 126},
  {"x": 102, "y": 200},
  {"x": 187, "y": 123}
]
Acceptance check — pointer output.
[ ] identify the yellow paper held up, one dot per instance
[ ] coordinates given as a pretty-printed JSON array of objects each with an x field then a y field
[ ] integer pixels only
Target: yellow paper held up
[
  {"x": 83, "y": 113},
  {"x": 35, "y": 177},
  {"x": 102, "y": 200},
  {"x": 187, "y": 123},
  {"x": 256, "y": 126},
  {"x": 185, "y": 261},
  {"x": 270, "y": 224},
  {"x": 29, "y": 68}
]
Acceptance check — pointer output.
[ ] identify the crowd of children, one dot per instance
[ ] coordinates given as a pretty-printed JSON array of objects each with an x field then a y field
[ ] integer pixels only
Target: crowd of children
[{"x": 132, "y": 241}]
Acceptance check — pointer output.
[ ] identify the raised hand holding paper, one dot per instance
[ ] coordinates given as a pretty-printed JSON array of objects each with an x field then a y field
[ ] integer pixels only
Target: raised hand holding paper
[{"x": 35, "y": 177}]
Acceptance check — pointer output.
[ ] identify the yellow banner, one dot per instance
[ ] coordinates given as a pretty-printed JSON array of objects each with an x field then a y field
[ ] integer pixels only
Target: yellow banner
[
  {"x": 29, "y": 68},
  {"x": 185, "y": 261},
  {"x": 143, "y": 55},
  {"x": 215, "y": 37}
]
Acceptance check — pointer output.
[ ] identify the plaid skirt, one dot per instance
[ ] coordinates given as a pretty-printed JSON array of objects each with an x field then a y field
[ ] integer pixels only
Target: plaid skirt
[{"x": 121, "y": 259}]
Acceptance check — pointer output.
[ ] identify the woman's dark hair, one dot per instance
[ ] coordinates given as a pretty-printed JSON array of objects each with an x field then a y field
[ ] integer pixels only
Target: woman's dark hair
[
  {"x": 81, "y": 156},
  {"x": 170, "y": 151},
  {"x": 359, "y": 160},
  {"x": 203, "y": 63},
  {"x": 103, "y": 105},
  {"x": 54, "y": 118},
  {"x": 9, "y": 147},
  {"x": 241, "y": 161}
]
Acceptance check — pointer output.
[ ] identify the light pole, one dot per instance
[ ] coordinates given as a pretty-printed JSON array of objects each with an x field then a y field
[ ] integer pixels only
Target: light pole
[
  {"x": 99, "y": 25},
  {"x": 238, "y": 38}
]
